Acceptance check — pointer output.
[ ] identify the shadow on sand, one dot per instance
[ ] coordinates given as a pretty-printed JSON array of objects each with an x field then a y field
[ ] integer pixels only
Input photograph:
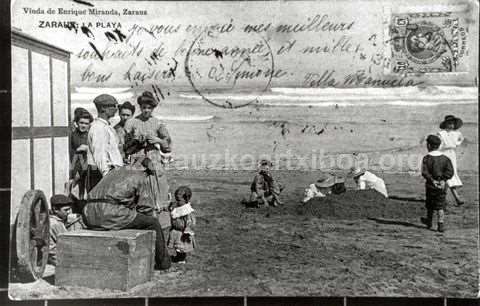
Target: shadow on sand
[{"x": 396, "y": 222}]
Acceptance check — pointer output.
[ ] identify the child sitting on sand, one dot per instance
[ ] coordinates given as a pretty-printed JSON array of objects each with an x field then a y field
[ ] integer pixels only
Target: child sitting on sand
[
  {"x": 264, "y": 189},
  {"x": 326, "y": 184},
  {"x": 182, "y": 237},
  {"x": 367, "y": 180},
  {"x": 436, "y": 169},
  {"x": 451, "y": 138}
]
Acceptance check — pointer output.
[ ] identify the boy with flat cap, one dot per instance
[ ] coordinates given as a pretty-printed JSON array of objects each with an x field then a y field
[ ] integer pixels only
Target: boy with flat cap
[
  {"x": 61, "y": 208},
  {"x": 436, "y": 169},
  {"x": 103, "y": 150}
]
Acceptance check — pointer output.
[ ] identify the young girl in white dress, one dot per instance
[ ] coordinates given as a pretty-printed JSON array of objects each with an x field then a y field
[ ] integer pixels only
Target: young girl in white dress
[{"x": 451, "y": 138}]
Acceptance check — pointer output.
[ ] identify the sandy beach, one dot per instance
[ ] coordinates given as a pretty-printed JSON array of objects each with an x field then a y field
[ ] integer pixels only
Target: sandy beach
[
  {"x": 290, "y": 250},
  {"x": 356, "y": 244},
  {"x": 315, "y": 88}
]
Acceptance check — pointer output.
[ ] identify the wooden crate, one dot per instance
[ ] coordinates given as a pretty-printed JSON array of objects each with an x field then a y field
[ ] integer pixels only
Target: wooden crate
[{"x": 105, "y": 259}]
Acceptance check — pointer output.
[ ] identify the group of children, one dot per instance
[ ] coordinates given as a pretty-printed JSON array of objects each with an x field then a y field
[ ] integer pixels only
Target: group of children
[
  {"x": 181, "y": 238},
  {"x": 439, "y": 168}
]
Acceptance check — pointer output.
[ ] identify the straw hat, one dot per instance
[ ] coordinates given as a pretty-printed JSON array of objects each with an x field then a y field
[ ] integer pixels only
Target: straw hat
[
  {"x": 457, "y": 122},
  {"x": 325, "y": 180},
  {"x": 355, "y": 172}
]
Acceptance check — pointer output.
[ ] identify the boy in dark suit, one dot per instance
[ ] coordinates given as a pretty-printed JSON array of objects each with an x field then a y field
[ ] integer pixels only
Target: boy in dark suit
[{"x": 436, "y": 169}]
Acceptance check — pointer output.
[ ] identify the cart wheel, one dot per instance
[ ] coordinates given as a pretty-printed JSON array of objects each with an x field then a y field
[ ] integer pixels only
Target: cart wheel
[{"x": 32, "y": 236}]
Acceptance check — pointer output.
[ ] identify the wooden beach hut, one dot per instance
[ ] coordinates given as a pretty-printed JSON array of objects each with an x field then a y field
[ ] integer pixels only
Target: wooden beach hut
[{"x": 40, "y": 162}]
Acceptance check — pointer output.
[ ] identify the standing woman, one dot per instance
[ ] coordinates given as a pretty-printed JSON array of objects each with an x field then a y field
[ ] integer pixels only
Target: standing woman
[
  {"x": 451, "y": 138},
  {"x": 150, "y": 136}
]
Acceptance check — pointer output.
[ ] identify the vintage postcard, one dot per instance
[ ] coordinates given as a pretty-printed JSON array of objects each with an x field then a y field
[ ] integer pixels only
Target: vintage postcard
[{"x": 244, "y": 148}]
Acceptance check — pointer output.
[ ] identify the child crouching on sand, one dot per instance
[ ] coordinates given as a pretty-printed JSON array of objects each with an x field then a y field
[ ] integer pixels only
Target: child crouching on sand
[
  {"x": 182, "y": 237},
  {"x": 367, "y": 180},
  {"x": 326, "y": 184},
  {"x": 264, "y": 189},
  {"x": 436, "y": 169}
]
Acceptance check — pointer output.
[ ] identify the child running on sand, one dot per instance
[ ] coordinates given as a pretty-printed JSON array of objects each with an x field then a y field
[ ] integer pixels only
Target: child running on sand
[
  {"x": 451, "y": 138},
  {"x": 182, "y": 237},
  {"x": 264, "y": 189},
  {"x": 436, "y": 169},
  {"x": 367, "y": 180}
]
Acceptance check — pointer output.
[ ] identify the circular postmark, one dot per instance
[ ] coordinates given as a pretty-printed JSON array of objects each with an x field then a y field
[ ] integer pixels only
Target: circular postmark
[
  {"x": 424, "y": 43},
  {"x": 227, "y": 69}
]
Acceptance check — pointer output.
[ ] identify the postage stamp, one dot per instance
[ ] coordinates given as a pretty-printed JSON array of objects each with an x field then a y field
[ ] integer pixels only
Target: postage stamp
[{"x": 428, "y": 42}]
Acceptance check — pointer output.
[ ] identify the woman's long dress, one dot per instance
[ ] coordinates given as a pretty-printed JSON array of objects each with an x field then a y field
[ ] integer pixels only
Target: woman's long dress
[
  {"x": 450, "y": 140},
  {"x": 140, "y": 126}
]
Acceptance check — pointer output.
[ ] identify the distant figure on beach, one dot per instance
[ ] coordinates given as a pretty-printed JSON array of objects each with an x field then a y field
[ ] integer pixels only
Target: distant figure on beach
[
  {"x": 451, "y": 138},
  {"x": 126, "y": 111},
  {"x": 326, "y": 184},
  {"x": 264, "y": 189},
  {"x": 211, "y": 134},
  {"x": 103, "y": 154},
  {"x": 366, "y": 180},
  {"x": 182, "y": 236},
  {"x": 285, "y": 130},
  {"x": 149, "y": 137},
  {"x": 78, "y": 151},
  {"x": 437, "y": 168},
  {"x": 275, "y": 145}
]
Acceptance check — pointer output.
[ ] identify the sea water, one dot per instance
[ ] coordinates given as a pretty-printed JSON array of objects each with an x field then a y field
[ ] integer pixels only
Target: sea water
[{"x": 300, "y": 124}]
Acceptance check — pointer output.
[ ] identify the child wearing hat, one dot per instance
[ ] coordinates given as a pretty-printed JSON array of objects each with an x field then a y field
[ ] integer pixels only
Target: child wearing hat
[
  {"x": 366, "y": 180},
  {"x": 436, "y": 169},
  {"x": 61, "y": 208},
  {"x": 182, "y": 236},
  {"x": 451, "y": 138},
  {"x": 326, "y": 184},
  {"x": 264, "y": 189}
]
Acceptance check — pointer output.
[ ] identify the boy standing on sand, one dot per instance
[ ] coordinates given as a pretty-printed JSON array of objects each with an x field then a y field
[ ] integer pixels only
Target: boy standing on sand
[{"x": 436, "y": 169}]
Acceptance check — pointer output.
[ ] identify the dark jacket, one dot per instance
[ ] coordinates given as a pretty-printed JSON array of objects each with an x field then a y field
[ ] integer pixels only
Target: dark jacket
[
  {"x": 124, "y": 191},
  {"x": 78, "y": 160},
  {"x": 436, "y": 167}
]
